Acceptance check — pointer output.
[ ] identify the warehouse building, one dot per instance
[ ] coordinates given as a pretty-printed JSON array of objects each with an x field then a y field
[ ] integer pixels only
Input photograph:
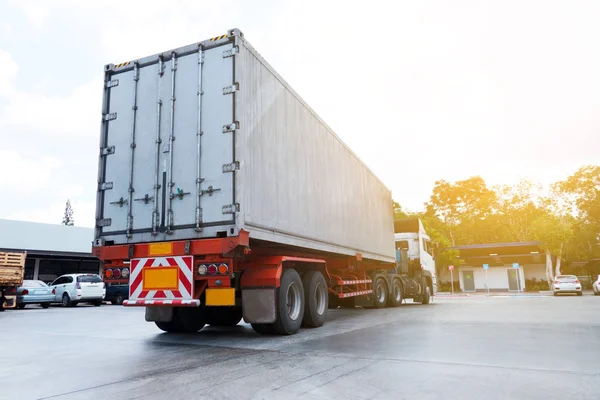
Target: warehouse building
[
  {"x": 500, "y": 267},
  {"x": 52, "y": 250}
]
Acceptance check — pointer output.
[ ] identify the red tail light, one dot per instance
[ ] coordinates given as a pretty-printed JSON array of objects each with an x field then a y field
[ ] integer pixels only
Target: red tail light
[
  {"x": 576, "y": 280},
  {"x": 53, "y": 291},
  {"x": 212, "y": 269},
  {"x": 556, "y": 282},
  {"x": 25, "y": 292}
]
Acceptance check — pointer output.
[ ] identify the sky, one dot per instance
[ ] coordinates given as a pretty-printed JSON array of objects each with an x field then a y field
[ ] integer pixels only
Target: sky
[{"x": 420, "y": 90}]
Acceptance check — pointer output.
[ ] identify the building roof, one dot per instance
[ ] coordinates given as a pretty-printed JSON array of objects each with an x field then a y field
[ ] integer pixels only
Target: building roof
[
  {"x": 501, "y": 253},
  {"x": 41, "y": 238}
]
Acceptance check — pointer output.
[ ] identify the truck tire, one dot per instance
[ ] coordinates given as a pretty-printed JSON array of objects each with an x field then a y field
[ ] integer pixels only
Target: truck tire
[
  {"x": 426, "y": 296},
  {"x": 396, "y": 296},
  {"x": 185, "y": 320},
  {"x": 189, "y": 319},
  {"x": 223, "y": 316},
  {"x": 316, "y": 298},
  {"x": 263, "y": 329},
  {"x": 380, "y": 293},
  {"x": 118, "y": 299},
  {"x": 289, "y": 303}
]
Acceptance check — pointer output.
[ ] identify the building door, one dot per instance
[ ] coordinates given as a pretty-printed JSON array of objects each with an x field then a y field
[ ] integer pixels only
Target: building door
[
  {"x": 513, "y": 279},
  {"x": 468, "y": 281}
]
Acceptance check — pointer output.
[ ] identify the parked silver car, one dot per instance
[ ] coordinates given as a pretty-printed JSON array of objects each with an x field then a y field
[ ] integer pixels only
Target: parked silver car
[
  {"x": 567, "y": 284},
  {"x": 71, "y": 289},
  {"x": 34, "y": 292}
]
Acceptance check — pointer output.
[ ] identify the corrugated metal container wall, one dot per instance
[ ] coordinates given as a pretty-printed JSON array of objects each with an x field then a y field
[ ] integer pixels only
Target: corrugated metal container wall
[
  {"x": 296, "y": 182},
  {"x": 299, "y": 184}
]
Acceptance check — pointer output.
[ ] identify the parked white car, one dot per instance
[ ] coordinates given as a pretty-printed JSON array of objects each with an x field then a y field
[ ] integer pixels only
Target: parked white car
[
  {"x": 596, "y": 286},
  {"x": 567, "y": 284},
  {"x": 72, "y": 289}
]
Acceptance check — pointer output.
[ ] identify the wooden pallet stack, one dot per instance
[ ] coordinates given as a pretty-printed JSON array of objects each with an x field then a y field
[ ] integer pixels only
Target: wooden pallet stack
[{"x": 12, "y": 268}]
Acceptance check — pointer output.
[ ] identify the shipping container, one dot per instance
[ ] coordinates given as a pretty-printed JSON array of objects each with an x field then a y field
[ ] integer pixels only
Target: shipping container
[
  {"x": 208, "y": 140},
  {"x": 222, "y": 195}
]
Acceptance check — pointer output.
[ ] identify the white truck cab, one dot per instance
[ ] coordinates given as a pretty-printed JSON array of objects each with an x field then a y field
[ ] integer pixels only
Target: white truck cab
[{"x": 411, "y": 236}]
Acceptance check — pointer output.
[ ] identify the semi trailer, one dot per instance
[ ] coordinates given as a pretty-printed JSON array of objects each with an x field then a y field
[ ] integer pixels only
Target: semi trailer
[{"x": 222, "y": 195}]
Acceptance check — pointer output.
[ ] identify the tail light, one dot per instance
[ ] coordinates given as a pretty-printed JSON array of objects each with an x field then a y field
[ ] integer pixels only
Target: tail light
[
  {"x": 556, "y": 282},
  {"x": 78, "y": 285},
  {"x": 576, "y": 280},
  {"x": 125, "y": 272},
  {"x": 223, "y": 269},
  {"x": 213, "y": 269},
  {"x": 25, "y": 292},
  {"x": 117, "y": 273},
  {"x": 53, "y": 291},
  {"x": 108, "y": 273}
]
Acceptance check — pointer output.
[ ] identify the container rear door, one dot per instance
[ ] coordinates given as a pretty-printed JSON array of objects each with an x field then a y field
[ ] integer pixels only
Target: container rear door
[{"x": 167, "y": 148}]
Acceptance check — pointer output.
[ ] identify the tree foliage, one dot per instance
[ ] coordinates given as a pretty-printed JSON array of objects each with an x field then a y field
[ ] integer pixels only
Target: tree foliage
[
  {"x": 566, "y": 220},
  {"x": 68, "y": 217}
]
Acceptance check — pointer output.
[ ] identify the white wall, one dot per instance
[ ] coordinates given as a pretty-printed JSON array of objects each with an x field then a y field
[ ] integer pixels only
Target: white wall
[
  {"x": 497, "y": 277},
  {"x": 537, "y": 271},
  {"x": 24, "y": 235}
]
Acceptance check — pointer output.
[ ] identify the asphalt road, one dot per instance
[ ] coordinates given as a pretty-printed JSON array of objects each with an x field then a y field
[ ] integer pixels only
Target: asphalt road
[{"x": 473, "y": 348}]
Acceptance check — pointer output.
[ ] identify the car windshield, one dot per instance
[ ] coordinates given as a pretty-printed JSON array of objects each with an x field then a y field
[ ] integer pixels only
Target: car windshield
[
  {"x": 566, "y": 278},
  {"x": 34, "y": 284},
  {"x": 89, "y": 279}
]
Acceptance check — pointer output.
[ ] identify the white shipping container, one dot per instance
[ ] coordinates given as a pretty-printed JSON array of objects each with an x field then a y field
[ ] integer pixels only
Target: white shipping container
[{"x": 206, "y": 140}]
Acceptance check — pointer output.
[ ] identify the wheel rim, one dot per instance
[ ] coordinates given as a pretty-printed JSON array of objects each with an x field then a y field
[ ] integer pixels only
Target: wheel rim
[
  {"x": 397, "y": 292},
  {"x": 293, "y": 301},
  {"x": 380, "y": 293},
  {"x": 320, "y": 298}
]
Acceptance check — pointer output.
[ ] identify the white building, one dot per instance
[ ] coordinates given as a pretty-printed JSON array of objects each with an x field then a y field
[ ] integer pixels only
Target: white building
[
  {"x": 509, "y": 266},
  {"x": 52, "y": 250}
]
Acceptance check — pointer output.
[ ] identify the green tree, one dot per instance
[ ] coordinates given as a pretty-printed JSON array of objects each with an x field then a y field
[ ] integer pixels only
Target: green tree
[
  {"x": 582, "y": 191},
  {"x": 398, "y": 212},
  {"x": 464, "y": 208}
]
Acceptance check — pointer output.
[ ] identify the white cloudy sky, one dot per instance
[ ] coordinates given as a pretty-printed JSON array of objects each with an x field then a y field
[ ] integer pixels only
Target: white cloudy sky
[{"x": 421, "y": 90}]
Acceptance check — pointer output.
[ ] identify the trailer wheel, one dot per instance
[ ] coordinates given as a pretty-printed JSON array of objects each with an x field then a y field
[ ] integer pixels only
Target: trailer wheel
[
  {"x": 263, "y": 329},
  {"x": 395, "y": 299},
  {"x": 380, "y": 292},
  {"x": 290, "y": 303},
  {"x": 186, "y": 320},
  {"x": 316, "y": 299},
  {"x": 223, "y": 316}
]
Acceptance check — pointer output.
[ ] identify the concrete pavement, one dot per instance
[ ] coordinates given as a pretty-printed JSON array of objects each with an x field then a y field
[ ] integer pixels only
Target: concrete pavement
[{"x": 468, "y": 348}]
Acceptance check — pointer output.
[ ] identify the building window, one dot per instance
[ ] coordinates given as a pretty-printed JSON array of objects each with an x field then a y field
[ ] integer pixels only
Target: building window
[{"x": 29, "y": 268}]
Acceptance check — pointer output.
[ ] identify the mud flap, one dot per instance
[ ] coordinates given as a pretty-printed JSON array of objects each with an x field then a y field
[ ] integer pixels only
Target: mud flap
[
  {"x": 10, "y": 301},
  {"x": 159, "y": 314},
  {"x": 259, "y": 305}
]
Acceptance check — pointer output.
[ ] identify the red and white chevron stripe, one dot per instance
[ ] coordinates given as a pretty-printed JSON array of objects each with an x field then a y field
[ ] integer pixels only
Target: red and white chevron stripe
[{"x": 182, "y": 295}]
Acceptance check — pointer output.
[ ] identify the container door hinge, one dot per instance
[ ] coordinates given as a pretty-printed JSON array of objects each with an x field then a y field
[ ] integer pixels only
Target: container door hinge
[
  {"x": 231, "y": 52},
  {"x": 113, "y": 83},
  {"x": 231, "y": 89},
  {"x": 107, "y": 150},
  {"x": 234, "y": 166},
  {"x": 231, "y": 127},
  {"x": 103, "y": 222},
  {"x": 231, "y": 208},
  {"x": 105, "y": 186},
  {"x": 109, "y": 117}
]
